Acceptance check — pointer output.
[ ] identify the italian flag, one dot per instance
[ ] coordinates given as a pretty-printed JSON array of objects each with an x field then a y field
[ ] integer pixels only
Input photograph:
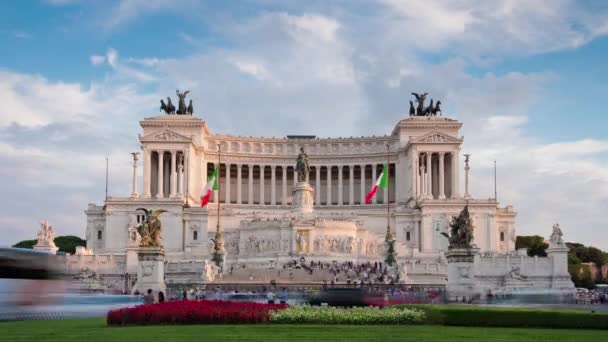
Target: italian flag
[
  {"x": 381, "y": 182},
  {"x": 212, "y": 184}
]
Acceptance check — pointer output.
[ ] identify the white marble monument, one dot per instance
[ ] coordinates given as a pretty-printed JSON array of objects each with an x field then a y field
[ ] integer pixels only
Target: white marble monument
[{"x": 46, "y": 238}]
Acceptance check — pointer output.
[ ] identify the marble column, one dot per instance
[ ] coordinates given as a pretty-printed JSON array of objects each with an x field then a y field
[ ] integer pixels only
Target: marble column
[
  {"x": 186, "y": 174},
  {"x": 328, "y": 185},
  {"x": 147, "y": 172},
  {"x": 419, "y": 235},
  {"x": 362, "y": 184},
  {"x": 374, "y": 166},
  {"x": 161, "y": 164},
  {"x": 284, "y": 184},
  {"x": 351, "y": 184},
  {"x": 180, "y": 175},
  {"x": 295, "y": 177},
  {"x": 422, "y": 180},
  {"x": 273, "y": 185},
  {"x": 250, "y": 192},
  {"x": 262, "y": 186},
  {"x": 317, "y": 185},
  {"x": 455, "y": 175},
  {"x": 239, "y": 183},
  {"x": 340, "y": 186},
  {"x": 429, "y": 176},
  {"x": 416, "y": 167},
  {"x": 227, "y": 187},
  {"x": 135, "y": 159},
  {"x": 173, "y": 171},
  {"x": 441, "y": 176}
]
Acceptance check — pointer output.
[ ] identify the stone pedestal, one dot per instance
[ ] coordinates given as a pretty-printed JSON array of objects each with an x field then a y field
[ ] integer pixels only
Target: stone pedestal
[
  {"x": 50, "y": 248},
  {"x": 303, "y": 198},
  {"x": 461, "y": 274},
  {"x": 560, "y": 277},
  {"x": 150, "y": 270}
]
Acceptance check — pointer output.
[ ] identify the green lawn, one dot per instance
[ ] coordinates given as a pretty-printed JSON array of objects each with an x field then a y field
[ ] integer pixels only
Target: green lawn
[{"x": 89, "y": 330}]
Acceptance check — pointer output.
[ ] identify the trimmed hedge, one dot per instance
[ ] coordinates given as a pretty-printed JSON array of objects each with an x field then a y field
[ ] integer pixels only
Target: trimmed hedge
[
  {"x": 355, "y": 315},
  {"x": 510, "y": 317}
]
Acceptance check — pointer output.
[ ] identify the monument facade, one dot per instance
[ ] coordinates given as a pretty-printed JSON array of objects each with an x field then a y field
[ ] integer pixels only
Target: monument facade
[{"x": 299, "y": 196}]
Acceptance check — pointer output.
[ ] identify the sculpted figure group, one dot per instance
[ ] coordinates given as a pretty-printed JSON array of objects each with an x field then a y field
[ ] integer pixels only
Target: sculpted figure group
[
  {"x": 169, "y": 108},
  {"x": 420, "y": 110},
  {"x": 461, "y": 230},
  {"x": 149, "y": 229}
]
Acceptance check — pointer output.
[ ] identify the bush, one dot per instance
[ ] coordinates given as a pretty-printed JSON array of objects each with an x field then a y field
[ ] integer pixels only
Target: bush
[
  {"x": 333, "y": 315},
  {"x": 193, "y": 312},
  {"x": 510, "y": 317}
]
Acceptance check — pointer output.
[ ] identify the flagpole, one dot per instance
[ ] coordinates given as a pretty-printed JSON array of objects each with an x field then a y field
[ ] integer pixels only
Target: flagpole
[
  {"x": 389, "y": 236},
  {"x": 495, "y": 192},
  {"x": 218, "y": 242},
  {"x": 106, "y": 179},
  {"x": 219, "y": 184}
]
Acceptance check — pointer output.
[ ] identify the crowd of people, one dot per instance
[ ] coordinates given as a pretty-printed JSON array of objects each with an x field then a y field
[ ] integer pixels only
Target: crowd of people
[
  {"x": 595, "y": 296},
  {"x": 349, "y": 272}
]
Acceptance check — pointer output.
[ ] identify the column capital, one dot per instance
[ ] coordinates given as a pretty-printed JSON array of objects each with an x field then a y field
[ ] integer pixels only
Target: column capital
[{"x": 441, "y": 154}]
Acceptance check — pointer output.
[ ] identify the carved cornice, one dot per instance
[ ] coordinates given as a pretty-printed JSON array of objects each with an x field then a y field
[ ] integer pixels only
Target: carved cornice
[
  {"x": 165, "y": 135},
  {"x": 436, "y": 137}
]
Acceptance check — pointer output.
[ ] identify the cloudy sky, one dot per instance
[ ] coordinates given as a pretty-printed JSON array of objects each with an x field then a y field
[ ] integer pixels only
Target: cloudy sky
[{"x": 526, "y": 77}]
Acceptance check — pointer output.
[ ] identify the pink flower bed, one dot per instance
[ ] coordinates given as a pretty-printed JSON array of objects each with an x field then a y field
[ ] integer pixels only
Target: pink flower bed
[{"x": 193, "y": 312}]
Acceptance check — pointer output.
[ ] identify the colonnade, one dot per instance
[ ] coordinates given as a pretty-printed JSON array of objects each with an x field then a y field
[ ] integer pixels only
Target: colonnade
[
  {"x": 163, "y": 173},
  {"x": 276, "y": 181},
  {"x": 437, "y": 175}
]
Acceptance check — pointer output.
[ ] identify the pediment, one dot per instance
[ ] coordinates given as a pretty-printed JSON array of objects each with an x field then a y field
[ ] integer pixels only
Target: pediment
[
  {"x": 436, "y": 138},
  {"x": 165, "y": 135}
]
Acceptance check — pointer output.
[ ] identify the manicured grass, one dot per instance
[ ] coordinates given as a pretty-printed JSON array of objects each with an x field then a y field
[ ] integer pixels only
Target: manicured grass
[
  {"x": 90, "y": 330},
  {"x": 485, "y": 316}
]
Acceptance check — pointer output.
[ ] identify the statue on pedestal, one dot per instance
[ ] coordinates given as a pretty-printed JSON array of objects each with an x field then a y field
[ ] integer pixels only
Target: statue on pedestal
[
  {"x": 46, "y": 235},
  {"x": 461, "y": 230},
  {"x": 149, "y": 229},
  {"x": 556, "y": 235},
  {"x": 46, "y": 238},
  {"x": 302, "y": 166}
]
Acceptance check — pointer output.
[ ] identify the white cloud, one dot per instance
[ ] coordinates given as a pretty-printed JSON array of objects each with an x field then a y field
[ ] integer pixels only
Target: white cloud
[
  {"x": 146, "y": 62},
  {"x": 22, "y": 35},
  {"x": 97, "y": 59},
  {"x": 318, "y": 26},
  {"x": 54, "y": 138},
  {"x": 493, "y": 28},
  {"x": 339, "y": 74}
]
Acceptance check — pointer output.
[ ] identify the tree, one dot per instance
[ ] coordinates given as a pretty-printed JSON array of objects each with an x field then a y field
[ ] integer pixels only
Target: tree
[
  {"x": 66, "y": 244},
  {"x": 535, "y": 245},
  {"x": 25, "y": 244}
]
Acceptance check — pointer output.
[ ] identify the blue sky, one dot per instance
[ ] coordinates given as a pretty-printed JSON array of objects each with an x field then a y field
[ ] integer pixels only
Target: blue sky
[{"x": 527, "y": 78}]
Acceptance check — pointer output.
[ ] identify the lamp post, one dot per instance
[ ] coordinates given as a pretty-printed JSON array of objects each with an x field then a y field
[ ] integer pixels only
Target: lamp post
[{"x": 218, "y": 241}]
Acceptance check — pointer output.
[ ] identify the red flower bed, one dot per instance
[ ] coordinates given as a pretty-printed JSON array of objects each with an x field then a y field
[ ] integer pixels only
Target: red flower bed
[{"x": 193, "y": 312}]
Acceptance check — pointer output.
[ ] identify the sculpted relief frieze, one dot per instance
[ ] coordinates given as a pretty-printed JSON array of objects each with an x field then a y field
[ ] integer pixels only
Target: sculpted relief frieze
[{"x": 314, "y": 147}]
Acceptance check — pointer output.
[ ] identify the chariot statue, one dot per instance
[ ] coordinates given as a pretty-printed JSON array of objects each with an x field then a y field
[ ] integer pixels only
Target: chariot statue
[
  {"x": 168, "y": 107},
  {"x": 461, "y": 230},
  {"x": 181, "y": 106},
  {"x": 302, "y": 166},
  {"x": 149, "y": 230}
]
